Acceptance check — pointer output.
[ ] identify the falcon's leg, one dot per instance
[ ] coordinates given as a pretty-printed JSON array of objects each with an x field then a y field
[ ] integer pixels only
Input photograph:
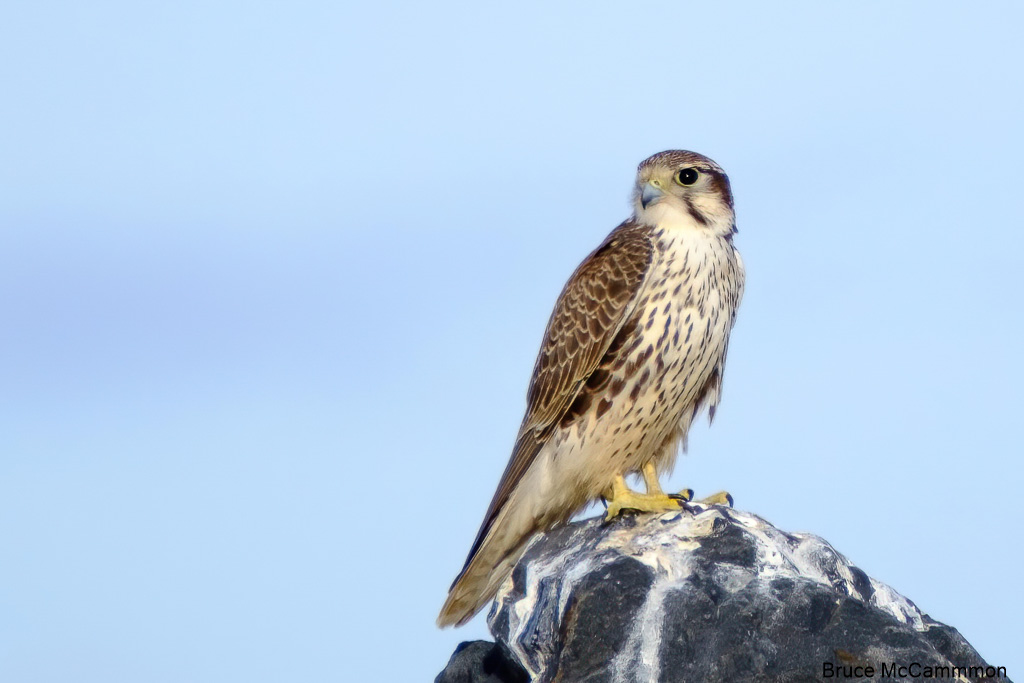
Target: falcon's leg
[
  {"x": 651, "y": 481},
  {"x": 620, "y": 497}
]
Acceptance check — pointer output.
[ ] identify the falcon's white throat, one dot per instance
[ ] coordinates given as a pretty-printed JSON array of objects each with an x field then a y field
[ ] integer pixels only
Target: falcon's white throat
[{"x": 671, "y": 213}]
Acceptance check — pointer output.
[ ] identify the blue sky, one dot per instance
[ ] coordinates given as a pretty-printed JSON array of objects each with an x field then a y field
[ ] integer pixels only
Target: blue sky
[{"x": 272, "y": 279}]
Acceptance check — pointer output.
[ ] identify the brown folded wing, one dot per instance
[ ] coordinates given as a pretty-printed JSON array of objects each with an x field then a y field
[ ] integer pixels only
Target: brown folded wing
[{"x": 593, "y": 307}]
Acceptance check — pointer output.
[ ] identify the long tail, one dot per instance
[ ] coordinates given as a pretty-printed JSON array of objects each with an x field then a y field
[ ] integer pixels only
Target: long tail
[{"x": 489, "y": 565}]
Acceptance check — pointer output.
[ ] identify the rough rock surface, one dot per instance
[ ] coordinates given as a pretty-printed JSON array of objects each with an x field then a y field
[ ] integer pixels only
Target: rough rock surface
[{"x": 709, "y": 595}]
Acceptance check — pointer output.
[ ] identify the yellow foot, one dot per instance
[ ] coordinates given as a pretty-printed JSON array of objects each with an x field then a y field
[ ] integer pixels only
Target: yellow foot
[
  {"x": 720, "y": 498},
  {"x": 643, "y": 502},
  {"x": 620, "y": 497}
]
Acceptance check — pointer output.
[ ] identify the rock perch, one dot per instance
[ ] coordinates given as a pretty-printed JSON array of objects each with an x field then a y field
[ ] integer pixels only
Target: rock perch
[{"x": 710, "y": 595}]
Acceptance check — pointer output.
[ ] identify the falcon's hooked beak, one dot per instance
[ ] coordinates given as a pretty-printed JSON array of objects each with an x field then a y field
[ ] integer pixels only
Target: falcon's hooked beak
[{"x": 650, "y": 193}]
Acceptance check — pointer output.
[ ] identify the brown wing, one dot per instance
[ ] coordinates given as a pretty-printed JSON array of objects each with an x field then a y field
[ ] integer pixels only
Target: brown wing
[{"x": 591, "y": 310}]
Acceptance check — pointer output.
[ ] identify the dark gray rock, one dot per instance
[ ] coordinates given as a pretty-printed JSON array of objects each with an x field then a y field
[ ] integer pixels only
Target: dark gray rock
[
  {"x": 709, "y": 595},
  {"x": 481, "y": 661}
]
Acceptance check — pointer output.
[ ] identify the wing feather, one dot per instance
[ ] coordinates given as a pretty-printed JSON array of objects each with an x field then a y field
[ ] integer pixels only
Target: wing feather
[{"x": 594, "y": 306}]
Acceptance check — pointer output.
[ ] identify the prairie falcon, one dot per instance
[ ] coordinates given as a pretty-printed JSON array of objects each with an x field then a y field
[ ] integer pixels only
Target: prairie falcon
[{"x": 634, "y": 349}]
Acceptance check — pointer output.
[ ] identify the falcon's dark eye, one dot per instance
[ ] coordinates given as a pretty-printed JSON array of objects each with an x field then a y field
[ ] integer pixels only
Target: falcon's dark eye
[{"x": 687, "y": 176}]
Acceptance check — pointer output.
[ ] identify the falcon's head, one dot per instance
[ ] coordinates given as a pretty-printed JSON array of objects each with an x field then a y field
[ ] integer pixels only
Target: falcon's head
[{"x": 683, "y": 188}]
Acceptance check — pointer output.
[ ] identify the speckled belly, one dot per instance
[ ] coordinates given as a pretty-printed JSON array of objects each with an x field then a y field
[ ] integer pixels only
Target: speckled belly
[{"x": 671, "y": 349}]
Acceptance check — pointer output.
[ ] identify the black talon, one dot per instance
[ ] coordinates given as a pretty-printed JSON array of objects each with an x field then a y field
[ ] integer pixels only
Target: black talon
[{"x": 682, "y": 500}]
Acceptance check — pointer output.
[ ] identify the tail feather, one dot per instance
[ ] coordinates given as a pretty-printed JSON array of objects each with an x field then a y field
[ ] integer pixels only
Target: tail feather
[
  {"x": 476, "y": 587},
  {"x": 490, "y": 564}
]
